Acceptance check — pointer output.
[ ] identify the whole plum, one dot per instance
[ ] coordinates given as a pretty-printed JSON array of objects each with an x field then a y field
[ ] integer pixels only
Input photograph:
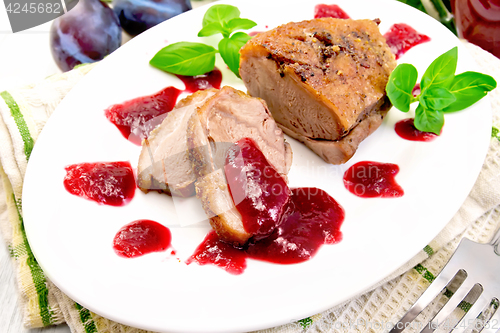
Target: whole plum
[
  {"x": 87, "y": 33},
  {"x": 137, "y": 16}
]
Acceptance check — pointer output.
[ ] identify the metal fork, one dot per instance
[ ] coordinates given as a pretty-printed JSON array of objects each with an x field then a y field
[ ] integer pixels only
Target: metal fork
[{"x": 481, "y": 264}]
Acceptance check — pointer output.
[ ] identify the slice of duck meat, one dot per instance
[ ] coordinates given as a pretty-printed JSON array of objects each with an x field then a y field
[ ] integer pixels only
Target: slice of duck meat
[
  {"x": 164, "y": 165},
  {"x": 321, "y": 79},
  {"x": 258, "y": 190},
  {"x": 226, "y": 118}
]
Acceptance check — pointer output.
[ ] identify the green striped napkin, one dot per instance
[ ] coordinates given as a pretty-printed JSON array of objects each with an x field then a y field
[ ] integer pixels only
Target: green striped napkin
[{"x": 23, "y": 114}]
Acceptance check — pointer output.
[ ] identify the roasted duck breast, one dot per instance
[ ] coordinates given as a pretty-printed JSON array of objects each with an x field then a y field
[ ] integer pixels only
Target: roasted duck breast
[{"x": 323, "y": 81}]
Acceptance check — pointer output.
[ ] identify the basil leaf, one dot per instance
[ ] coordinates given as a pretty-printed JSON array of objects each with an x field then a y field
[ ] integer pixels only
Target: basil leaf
[
  {"x": 400, "y": 86},
  {"x": 211, "y": 29},
  {"x": 436, "y": 98},
  {"x": 442, "y": 70},
  {"x": 468, "y": 88},
  {"x": 220, "y": 14},
  {"x": 239, "y": 24},
  {"x": 185, "y": 58},
  {"x": 229, "y": 49},
  {"x": 241, "y": 37},
  {"x": 428, "y": 121}
]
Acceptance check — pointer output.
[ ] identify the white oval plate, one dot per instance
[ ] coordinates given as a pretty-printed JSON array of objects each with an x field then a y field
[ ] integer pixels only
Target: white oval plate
[{"x": 72, "y": 237}]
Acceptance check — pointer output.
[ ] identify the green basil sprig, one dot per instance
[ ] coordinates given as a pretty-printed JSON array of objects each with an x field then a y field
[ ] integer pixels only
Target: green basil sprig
[
  {"x": 186, "y": 58},
  {"x": 441, "y": 91}
]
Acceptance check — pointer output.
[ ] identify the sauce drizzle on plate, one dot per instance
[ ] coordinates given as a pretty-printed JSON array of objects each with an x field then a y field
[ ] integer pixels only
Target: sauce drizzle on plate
[
  {"x": 312, "y": 218},
  {"x": 109, "y": 183},
  {"x": 137, "y": 117},
  {"x": 406, "y": 129},
  {"x": 369, "y": 179},
  {"x": 141, "y": 237},
  {"x": 401, "y": 38}
]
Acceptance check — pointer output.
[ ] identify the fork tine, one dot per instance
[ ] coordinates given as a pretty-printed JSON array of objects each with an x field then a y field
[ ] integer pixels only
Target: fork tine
[
  {"x": 479, "y": 306},
  {"x": 448, "y": 308},
  {"x": 493, "y": 325},
  {"x": 432, "y": 291},
  {"x": 464, "y": 259}
]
